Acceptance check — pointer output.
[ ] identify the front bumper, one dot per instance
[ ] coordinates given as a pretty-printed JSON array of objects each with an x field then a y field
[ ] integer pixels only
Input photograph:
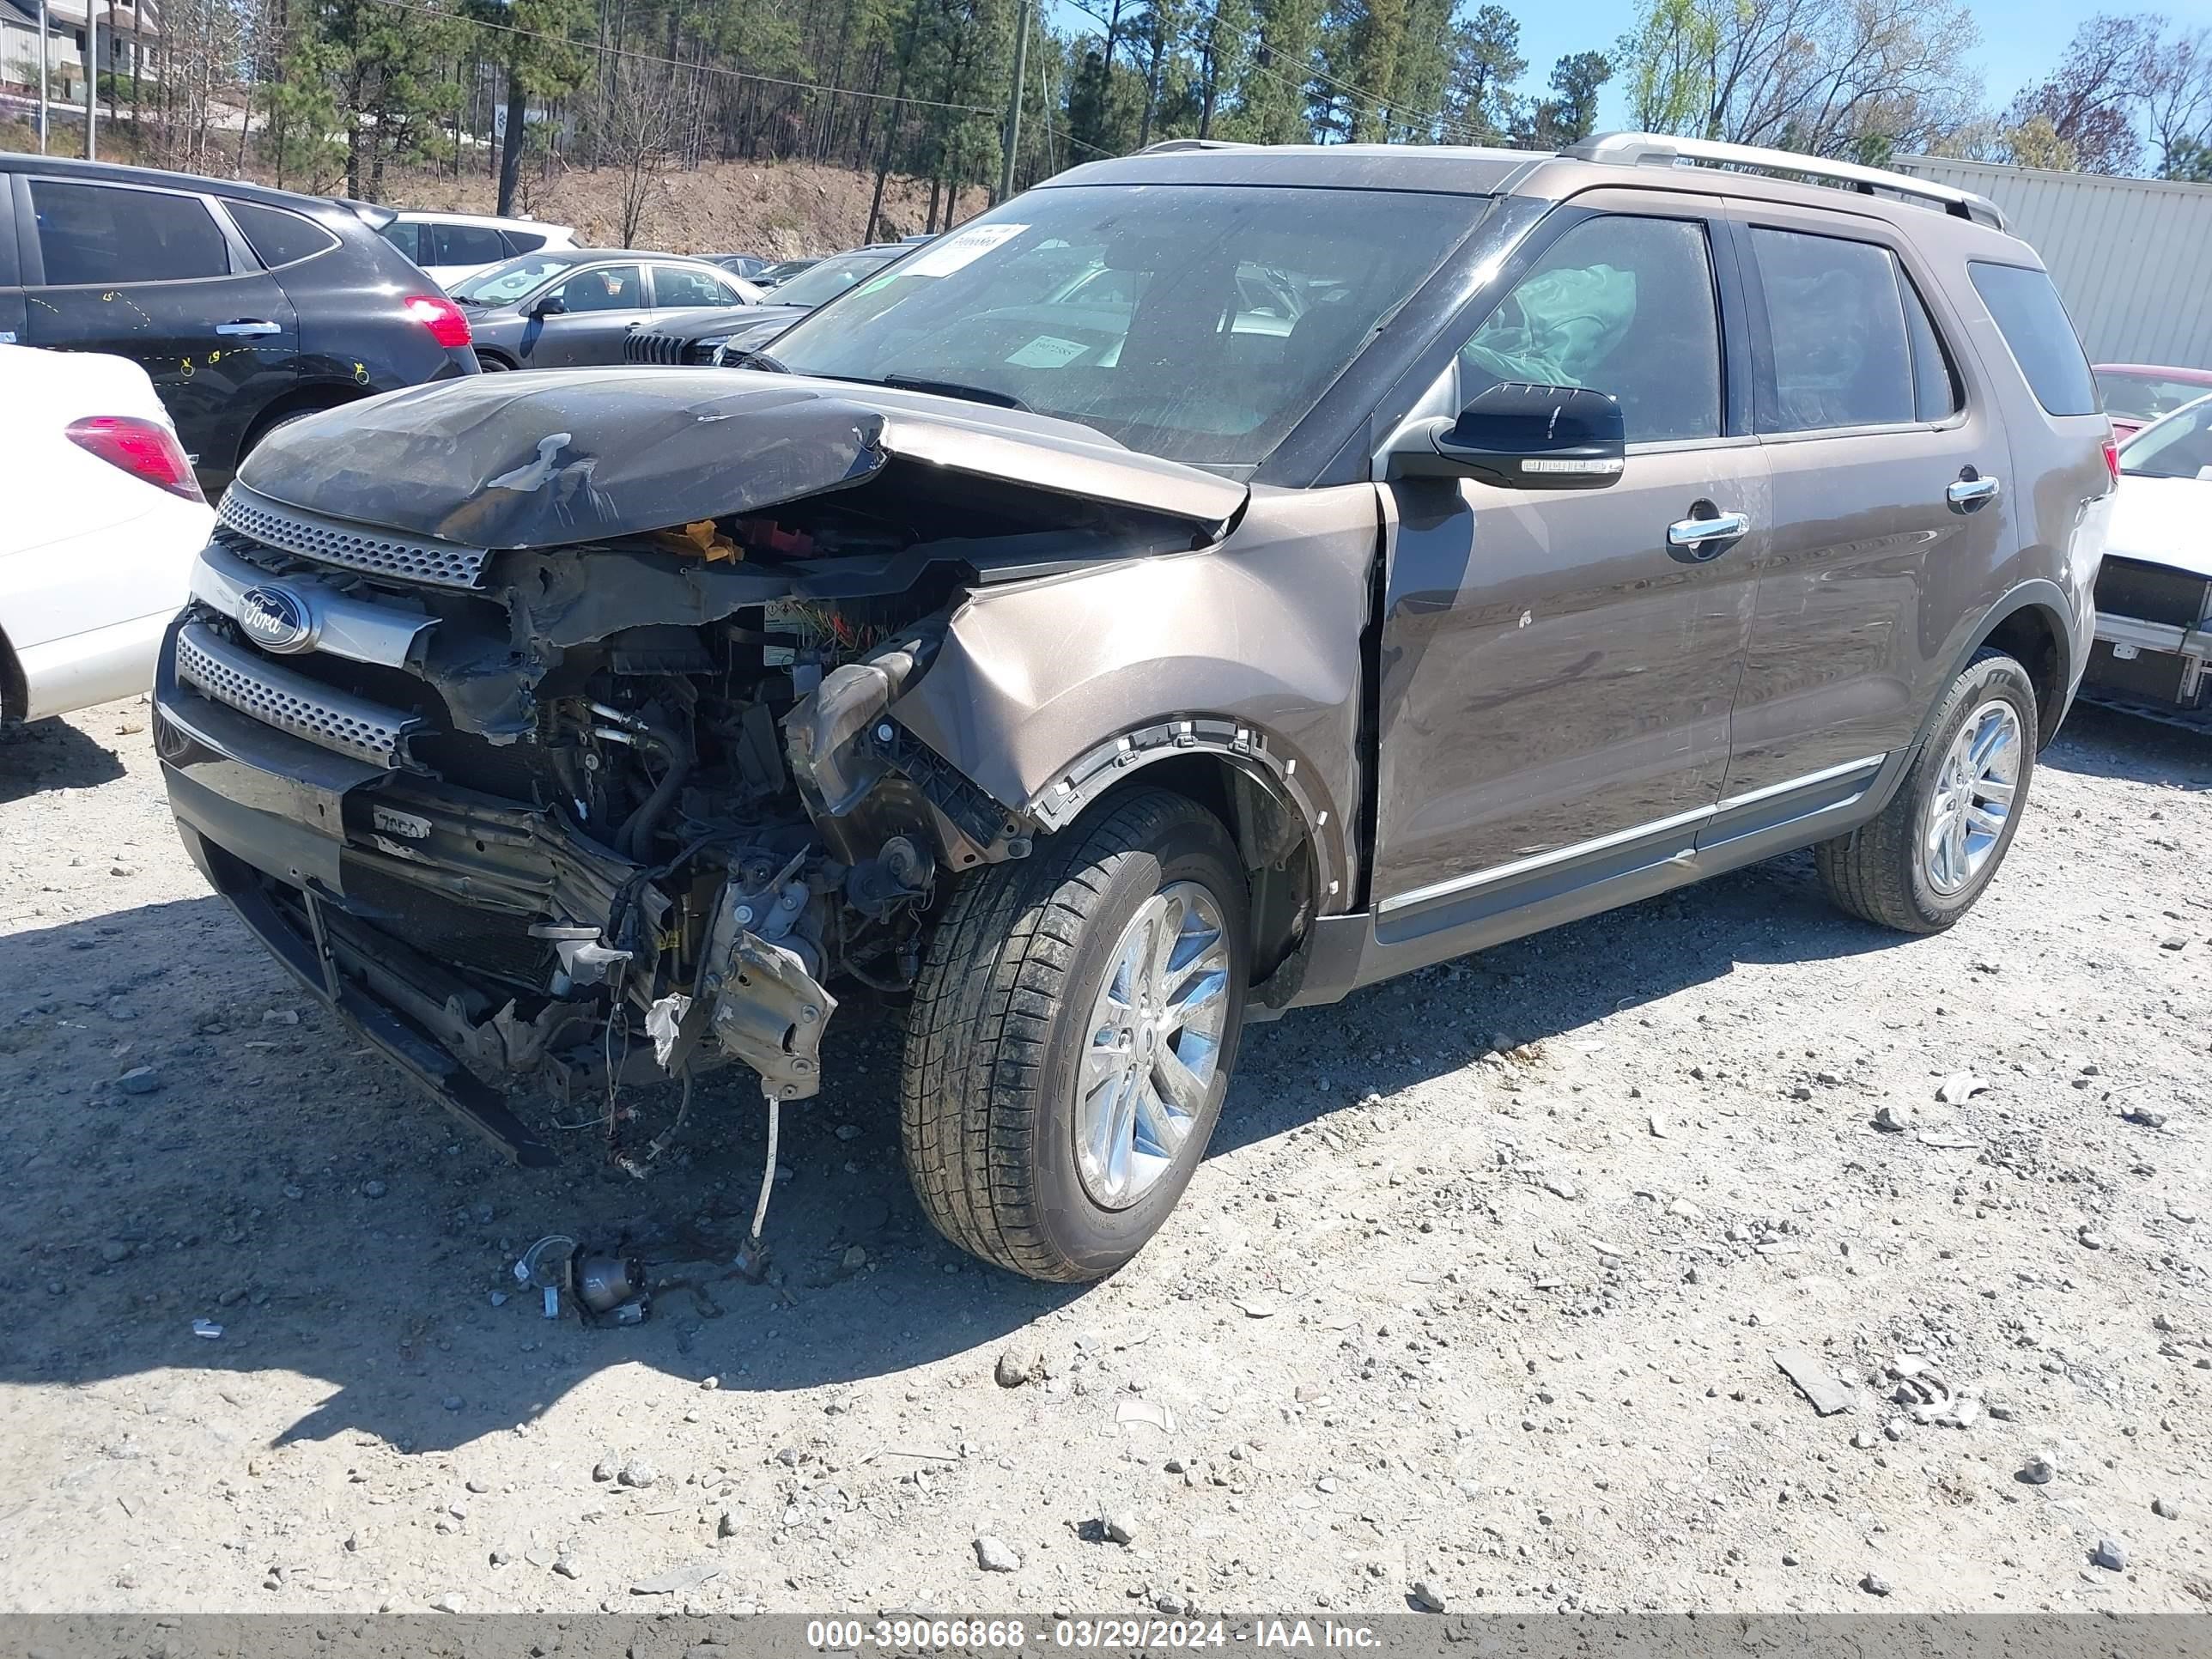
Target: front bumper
[{"x": 262, "y": 814}]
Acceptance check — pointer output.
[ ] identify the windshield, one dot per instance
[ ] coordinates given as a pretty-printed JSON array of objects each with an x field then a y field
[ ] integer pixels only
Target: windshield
[
  {"x": 2136, "y": 397},
  {"x": 1194, "y": 322},
  {"x": 826, "y": 279},
  {"x": 503, "y": 284},
  {"x": 2178, "y": 446}
]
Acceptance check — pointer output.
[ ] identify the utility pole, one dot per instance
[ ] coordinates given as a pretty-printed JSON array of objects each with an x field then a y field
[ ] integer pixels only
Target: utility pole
[
  {"x": 42, "y": 77},
  {"x": 1013, "y": 135},
  {"x": 91, "y": 78}
]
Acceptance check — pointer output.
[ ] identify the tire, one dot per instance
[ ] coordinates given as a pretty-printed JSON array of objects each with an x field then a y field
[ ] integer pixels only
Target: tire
[
  {"x": 1002, "y": 1030},
  {"x": 1884, "y": 871},
  {"x": 491, "y": 365}
]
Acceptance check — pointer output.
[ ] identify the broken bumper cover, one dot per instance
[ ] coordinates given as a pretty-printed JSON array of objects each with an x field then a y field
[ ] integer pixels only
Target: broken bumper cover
[{"x": 262, "y": 813}]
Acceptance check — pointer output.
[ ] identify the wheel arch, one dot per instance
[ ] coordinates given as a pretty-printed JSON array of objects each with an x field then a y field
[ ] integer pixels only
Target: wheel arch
[
  {"x": 1229, "y": 769},
  {"x": 309, "y": 399},
  {"x": 2029, "y": 625},
  {"x": 15, "y": 686}
]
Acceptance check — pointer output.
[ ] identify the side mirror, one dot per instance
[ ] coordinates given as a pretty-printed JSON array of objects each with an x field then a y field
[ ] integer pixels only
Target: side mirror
[
  {"x": 551, "y": 305},
  {"x": 1521, "y": 437}
]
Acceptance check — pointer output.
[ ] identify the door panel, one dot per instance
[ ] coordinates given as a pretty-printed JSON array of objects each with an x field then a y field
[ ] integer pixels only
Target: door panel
[
  {"x": 1863, "y": 521},
  {"x": 1554, "y": 671},
  {"x": 155, "y": 277}
]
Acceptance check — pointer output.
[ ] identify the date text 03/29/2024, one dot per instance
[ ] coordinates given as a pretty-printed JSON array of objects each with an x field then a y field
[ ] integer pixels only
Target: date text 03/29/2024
[{"x": 1119, "y": 1635}]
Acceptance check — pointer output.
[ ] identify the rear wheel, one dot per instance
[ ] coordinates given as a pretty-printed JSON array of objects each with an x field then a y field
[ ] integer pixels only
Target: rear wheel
[
  {"x": 1072, "y": 1038},
  {"x": 492, "y": 365},
  {"x": 1921, "y": 865}
]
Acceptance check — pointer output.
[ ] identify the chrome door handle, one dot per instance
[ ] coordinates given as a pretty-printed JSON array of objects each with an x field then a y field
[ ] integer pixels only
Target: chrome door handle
[
  {"x": 1725, "y": 527},
  {"x": 249, "y": 328},
  {"x": 1970, "y": 492}
]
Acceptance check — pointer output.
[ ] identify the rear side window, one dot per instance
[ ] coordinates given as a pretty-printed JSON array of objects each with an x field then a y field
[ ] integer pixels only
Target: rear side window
[
  {"x": 1836, "y": 314},
  {"x": 678, "y": 285},
  {"x": 522, "y": 241},
  {"x": 279, "y": 236},
  {"x": 107, "y": 233},
  {"x": 2033, "y": 321},
  {"x": 463, "y": 245}
]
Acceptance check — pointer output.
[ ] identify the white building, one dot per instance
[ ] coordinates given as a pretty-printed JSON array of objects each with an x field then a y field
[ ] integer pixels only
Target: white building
[{"x": 130, "y": 37}]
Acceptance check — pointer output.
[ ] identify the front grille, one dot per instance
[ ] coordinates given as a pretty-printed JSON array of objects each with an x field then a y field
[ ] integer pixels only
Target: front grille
[
  {"x": 663, "y": 350},
  {"x": 356, "y": 546},
  {"x": 291, "y": 702},
  {"x": 2150, "y": 592}
]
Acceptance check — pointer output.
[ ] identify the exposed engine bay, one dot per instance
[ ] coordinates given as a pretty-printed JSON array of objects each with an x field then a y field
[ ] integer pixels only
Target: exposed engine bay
[{"x": 624, "y": 808}]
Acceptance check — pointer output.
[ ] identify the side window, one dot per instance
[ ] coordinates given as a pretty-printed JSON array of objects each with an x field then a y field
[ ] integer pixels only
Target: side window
[
  {"x": 2029, "y": 315},
  {"x": 465, "y": 244},
  {"x": 277, "y": 235},
  {"x": 679, "y": 285},
  {"x": 522, "y": 241},
  {"x": 405, "y": 236},
  {"x": 1934, "y": 386},
  {"x": 608, "y": 287},
  {"x": 1621, "y": 304},
  {"x": 1835, "y": 311},
  {"x": 104, "y": 233}
]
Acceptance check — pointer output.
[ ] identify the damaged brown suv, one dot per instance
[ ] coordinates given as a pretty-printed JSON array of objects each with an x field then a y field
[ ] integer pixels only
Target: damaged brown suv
[{"x": 1212, "y": 582}]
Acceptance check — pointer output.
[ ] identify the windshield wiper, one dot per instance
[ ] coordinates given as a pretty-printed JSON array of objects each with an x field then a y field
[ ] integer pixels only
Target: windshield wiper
[{"x": 974, "y": 394}]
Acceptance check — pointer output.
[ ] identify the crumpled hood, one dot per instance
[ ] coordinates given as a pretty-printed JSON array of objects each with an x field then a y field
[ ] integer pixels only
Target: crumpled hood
[
  {"x": 2165, "y": 521},
  {"x": 542, "y": 459},
  {"x": 726, "y": 319}
]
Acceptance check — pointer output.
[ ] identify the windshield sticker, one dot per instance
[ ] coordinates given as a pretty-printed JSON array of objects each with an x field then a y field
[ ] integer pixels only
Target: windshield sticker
[
  {"x": 949, "y": 253},
  {"x": 1047, "y": 351}
]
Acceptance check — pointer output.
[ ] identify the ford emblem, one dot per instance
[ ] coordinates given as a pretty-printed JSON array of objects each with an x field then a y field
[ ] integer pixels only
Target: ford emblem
[{"x": 275, "y": 618}]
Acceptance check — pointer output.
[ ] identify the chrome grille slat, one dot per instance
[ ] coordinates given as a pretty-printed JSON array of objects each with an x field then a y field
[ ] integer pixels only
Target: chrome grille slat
[
  {"x": 356, "y": 546},
  {"x": 237, "y": 678}
]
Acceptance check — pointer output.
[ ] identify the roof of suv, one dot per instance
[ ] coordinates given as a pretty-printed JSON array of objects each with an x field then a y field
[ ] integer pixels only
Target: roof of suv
[
  {"x": 1917, "y": 205},
  {"x": 115, "y": 174}
]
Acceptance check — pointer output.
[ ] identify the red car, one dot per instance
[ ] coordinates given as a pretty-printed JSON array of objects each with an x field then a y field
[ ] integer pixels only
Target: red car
[{"x": 2135, "y": 394}]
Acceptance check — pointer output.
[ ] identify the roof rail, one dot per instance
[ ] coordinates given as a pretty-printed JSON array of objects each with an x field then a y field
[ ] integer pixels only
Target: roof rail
[
  {"x": 1658, "y": 149},
  {"x": 1169, "y": 146}
]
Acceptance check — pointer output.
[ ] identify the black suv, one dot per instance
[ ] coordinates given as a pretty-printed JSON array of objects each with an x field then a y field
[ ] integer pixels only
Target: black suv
[{"x": 246, "y": 306}]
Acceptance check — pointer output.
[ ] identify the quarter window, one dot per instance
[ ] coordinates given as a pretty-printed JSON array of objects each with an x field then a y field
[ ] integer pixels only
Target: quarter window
[
  {"x": 1835, "y": 311},
  {"x": 2033, "y": 321},
  {"x": 278, "y": 235},
  {"x": 106, "y": 233},
  {"x": 1622, "y": 305}
]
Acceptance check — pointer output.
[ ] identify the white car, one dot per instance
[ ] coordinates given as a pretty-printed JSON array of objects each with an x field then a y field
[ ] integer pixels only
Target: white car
[
  {"x": 452, "y": 247},
  {"x": 102, "y": 523},
  {"x": 2154, "y": 589}
]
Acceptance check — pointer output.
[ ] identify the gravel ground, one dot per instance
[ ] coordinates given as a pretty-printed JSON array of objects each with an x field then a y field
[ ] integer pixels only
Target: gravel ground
[{"x": 1480, "y": 1291}]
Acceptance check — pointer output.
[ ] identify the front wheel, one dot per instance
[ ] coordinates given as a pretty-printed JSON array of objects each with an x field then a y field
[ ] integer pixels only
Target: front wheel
[
  {"x": 1924, "y": 861},
  {"x": 1071, "y": 1037}
]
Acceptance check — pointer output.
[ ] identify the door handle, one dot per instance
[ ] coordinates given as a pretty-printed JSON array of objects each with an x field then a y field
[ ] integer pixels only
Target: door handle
[
  {"x": 1970, "y": 492},
  {"x": 249, "y": 328},
  {"x": 1721, "y": 527}
]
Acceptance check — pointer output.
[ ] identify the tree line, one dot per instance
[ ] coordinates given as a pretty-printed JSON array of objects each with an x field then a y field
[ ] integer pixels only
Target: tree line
[{"x": 350, "y": 94}]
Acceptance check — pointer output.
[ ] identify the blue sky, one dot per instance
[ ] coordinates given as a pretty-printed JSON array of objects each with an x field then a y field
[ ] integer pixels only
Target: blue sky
[{"x": 2020, "y": 38}]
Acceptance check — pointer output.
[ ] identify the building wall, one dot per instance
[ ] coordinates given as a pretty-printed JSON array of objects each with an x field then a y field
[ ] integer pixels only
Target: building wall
[{"x": 2132, "y": 257}]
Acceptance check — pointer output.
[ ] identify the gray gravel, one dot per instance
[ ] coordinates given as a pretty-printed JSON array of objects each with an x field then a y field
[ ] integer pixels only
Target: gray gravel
[{"x": 1473, "y": 1304}]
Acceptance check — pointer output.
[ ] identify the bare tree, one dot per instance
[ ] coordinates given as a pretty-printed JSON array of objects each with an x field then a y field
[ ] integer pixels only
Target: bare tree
[
  {"x": 2088, "y": 99},
  {"x": 639, "y": 119},
  {"x": 2176, "y": 91}
]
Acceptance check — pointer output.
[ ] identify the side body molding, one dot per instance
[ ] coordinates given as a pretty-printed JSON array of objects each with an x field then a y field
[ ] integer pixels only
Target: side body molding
[{"x": 1046, "y": 691}]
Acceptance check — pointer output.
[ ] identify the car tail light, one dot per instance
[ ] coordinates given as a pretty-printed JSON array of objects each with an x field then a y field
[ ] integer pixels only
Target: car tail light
[
  {"x": 145, "y": 449},
  {"x": 447, "y": 327},
  {"x": 2112, "y": 458}
]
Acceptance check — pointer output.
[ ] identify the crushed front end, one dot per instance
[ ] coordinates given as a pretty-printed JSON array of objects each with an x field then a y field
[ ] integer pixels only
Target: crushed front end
[{"x": 534, "y": 765}]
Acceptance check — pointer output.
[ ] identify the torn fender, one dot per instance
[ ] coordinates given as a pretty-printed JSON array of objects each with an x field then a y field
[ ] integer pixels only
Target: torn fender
[
  {"x": 1261, "y": 633},
  {"x": 538, "y": 460}
]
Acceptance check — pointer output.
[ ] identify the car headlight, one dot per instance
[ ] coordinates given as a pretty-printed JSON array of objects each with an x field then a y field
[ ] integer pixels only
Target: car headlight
[{"x": 712, "y": 345}]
